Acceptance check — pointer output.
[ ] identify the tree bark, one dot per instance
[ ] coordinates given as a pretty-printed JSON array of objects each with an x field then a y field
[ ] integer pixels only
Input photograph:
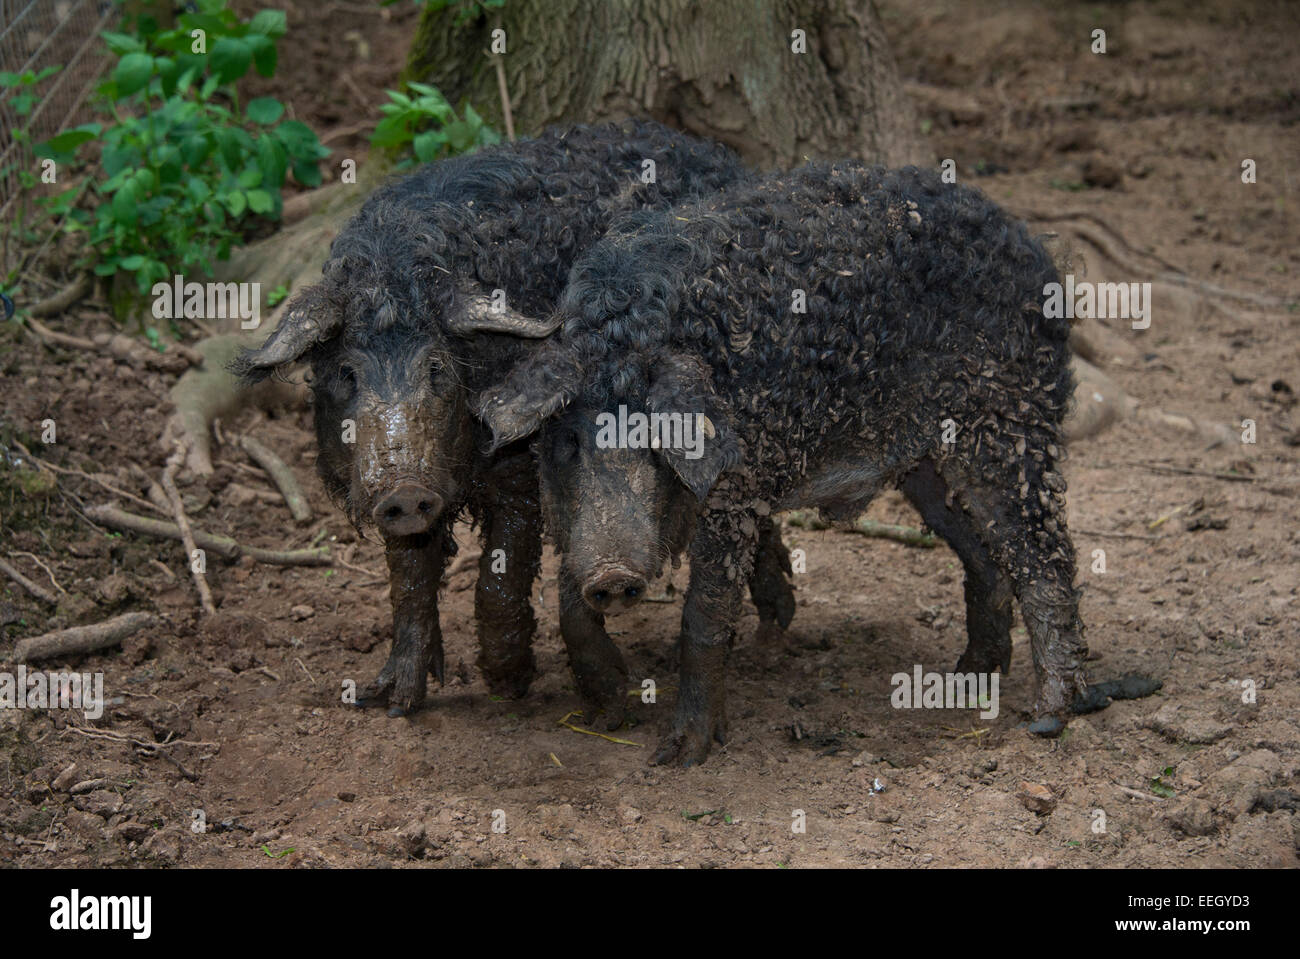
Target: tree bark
[{"x": 722, "y": 68}]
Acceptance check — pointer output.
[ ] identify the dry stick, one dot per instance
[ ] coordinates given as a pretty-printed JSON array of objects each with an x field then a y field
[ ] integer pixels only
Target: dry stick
[
  {"x": 506, "y": 114},
  {"x": 187, "y": 536},
  {"x": 867, "y": 527},
  {"x": 37, "y": 560},
  {"x": 320, "y": 556},
  {"x": 223, "y": 546},
  {"x": 1115, "y": 534},
  {"x": 1185, "y": 471},
  {"x": 44, "y": 595},
  {"x": 82, "y": 639},
  {"x": 111, "y": 516},
  {"x": 282, "y": 476}
]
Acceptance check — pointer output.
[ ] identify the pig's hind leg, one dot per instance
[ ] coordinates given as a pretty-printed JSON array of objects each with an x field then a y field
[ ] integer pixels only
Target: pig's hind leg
[
  {"x": 988, "y": 590},
  {"x": 1017, "y": 504}
]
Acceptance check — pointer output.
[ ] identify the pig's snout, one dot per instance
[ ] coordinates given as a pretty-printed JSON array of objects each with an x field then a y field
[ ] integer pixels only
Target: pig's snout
[
  {"x": 614, "y": 590},
  {"x": 407, "y": 510}
]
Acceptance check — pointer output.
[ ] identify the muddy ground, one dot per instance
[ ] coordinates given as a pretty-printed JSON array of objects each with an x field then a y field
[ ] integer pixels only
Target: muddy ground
[{"x": 1150, "y": 139}]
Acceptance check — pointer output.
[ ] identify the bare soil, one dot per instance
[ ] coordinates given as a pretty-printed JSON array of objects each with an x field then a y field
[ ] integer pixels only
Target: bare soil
[{"x": 1150, "y": 138}]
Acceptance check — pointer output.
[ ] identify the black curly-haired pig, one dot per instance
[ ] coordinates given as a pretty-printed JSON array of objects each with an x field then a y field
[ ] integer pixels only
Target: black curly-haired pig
[{"x": 806, "y": 340}]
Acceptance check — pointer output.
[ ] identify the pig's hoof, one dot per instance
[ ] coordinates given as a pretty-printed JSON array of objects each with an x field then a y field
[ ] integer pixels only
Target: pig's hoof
[
  {"x": 689, "y": 743},
  {"x": 611, "y": 714},
  {"x": 400, "y": 697}
]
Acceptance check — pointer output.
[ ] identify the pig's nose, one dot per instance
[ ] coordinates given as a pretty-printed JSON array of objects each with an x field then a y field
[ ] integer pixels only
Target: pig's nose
[
  {"x": 407, "y": 510},
  {"x": 614, "y": 590}
]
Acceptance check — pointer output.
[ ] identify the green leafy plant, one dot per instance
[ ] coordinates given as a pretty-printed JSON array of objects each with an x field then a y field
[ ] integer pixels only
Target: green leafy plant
[
  {"x": 426, "y": 122},
  {"x": 185, "y": 166}
]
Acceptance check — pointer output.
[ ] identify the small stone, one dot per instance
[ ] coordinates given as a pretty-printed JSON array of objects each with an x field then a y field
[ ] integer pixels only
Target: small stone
[
  {"x": 101, "y": 802},
  {"x": 1192, "y": 817},
  {"x": 1036, "y": 797},
  {"x": 64, "y": 780},
  {"x": 301, "y": 612}
]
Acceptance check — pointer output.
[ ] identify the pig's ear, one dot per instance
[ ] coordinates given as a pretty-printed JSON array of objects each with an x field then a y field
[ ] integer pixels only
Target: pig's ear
[
  {"x": 306, "y": 322},
  {"x": 683, "y": 385},
  {"x": 541, "y": 385},
  {"x": 477, "y": 313}
]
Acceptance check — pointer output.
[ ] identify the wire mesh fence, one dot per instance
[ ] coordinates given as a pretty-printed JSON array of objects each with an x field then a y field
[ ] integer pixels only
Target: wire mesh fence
[{"x": 35, "y": 35}]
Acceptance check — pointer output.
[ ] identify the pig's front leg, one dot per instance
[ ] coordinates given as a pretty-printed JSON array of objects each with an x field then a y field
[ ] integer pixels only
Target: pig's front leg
[
  {"x": 721, "y": 557},
  {"x": 415, "y": 567},
  {"x": 598, "y": 666},
  {"x": 511, "y": 520}
]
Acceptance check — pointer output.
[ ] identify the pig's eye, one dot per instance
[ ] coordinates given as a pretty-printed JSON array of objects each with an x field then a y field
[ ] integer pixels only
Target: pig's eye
[
  {"x": 435, "y": 367},
  {"x": 347, "y": 380}
]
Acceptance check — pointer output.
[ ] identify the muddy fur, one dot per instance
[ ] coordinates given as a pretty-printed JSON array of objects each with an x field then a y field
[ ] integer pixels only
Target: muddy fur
[
  {"x": 398, "y": 339},
  {"x": 923, "y": 304}
]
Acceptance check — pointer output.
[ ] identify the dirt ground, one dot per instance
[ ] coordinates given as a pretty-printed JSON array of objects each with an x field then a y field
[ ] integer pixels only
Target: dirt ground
[{"x": 1150, "y": 138}]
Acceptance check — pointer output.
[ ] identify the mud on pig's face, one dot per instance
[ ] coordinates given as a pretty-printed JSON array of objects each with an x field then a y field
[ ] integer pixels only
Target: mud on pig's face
[{"x": 621, "y": 502}]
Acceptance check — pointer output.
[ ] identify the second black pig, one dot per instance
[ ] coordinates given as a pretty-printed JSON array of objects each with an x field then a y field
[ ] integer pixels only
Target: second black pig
[{"x": 830, "y": 332}]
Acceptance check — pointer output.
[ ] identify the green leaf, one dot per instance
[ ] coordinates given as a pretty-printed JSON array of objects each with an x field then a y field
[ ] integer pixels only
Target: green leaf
[
  {"x": 195, "y": 149},
  {"x": 227, "y": 143},
  {"x": 264, "y": 110},
  {"x": 71, "y": 139},
  {"x": 272, "y": 160},
  {"x": 270, "y": 23},
  {"x": 250, "y": 177},
  {"x": 306, "y": 173},
  {"x": 133, "y": 73},
  {"x": 259, "y": 201},
  {"x": 122, "y": 43},
  {"x": 460, "y": 135},
  {"x": 124, "y": 208},
  {"x": 230, "y": 58},
  {"x": 235, "y": 202},
  {"x": 264, "y": 54},
  {"x": 132, "y": 262},
  {"x": 428, "y": 146}
]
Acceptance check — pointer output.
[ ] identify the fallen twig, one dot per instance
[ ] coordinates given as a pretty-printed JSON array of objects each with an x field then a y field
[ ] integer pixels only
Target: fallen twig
[
  {"x": 40, "y": 592},
  {"x": 564, "y": 721},
  {"x": 1115, "y": 534},
  {"x": 1136, "y": 794},
  {"x": 118, "y": 519},
  {"x": 183, "y": 523},
  {"x": 866, "y": 527},
  {"x": 82, "y": 639},
  {"x": 37, "y": 560},
  {"x": 283, "y": 477},
  {"x": 1186, "y": 471},
  {"x": 223, "y": 546}
]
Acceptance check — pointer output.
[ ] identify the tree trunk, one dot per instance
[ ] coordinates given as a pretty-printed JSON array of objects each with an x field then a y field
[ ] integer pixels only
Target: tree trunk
[{"x": 723, "y": 68}]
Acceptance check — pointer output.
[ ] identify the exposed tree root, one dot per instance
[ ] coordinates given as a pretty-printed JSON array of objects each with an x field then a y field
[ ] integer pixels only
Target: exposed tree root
[{"x": 282, "y": 476}]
